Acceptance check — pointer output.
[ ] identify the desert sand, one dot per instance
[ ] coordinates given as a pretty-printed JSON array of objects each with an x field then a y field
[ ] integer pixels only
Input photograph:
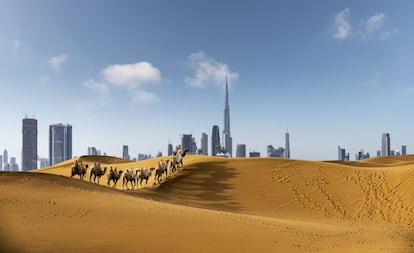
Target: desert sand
[{"x": 214, "y": 205}]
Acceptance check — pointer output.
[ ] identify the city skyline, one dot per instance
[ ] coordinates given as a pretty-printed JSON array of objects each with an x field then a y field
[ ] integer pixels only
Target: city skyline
[
  {"x": 336, "y": 73},
  {"x": 187, "y": 141}
]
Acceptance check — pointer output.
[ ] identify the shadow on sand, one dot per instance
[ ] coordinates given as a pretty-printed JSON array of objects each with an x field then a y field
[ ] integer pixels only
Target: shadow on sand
[{"x": 202, "y": 185}]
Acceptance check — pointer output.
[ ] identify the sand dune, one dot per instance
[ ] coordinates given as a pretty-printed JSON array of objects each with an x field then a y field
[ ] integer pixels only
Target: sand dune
[{"x": 215, "y": 205}]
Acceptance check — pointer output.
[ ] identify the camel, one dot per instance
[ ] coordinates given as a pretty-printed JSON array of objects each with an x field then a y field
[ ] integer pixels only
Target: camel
[
  {"x": 144, "y": 174},
  {"x": 114, "y": 175},
  {"x": 130, "y": 176},
  {"x": 161, "y": 169},
  {"x": 97, "y": 172},
  {"x": 177, "y": 159},
  {"x": 164, "y": 166},
  {"x": 79, "y": 169}
]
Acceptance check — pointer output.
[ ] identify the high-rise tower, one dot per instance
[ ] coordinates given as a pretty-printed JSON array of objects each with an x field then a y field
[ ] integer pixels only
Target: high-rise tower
[
  {"x": 287, "y": 145},
  {"x": 170, "y": 149},
  {"x": 204, "y": 144},
  {"x": 125, "y": 152},
  {"x": 386, "y": 145},
  {"x": 60, "y": 143},
  {"x": 228, "y": 146},
  {"x": 29, "y": 147},
  {"x": 215, "y": 141},
  {"x": 5, "y": 158},
  {"x": 187, "y": 143},
  {"x": 404, "y": 150}
]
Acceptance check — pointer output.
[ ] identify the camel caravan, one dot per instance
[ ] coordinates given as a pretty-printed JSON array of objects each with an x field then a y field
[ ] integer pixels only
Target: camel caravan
[{"x": 131, "y": 177}]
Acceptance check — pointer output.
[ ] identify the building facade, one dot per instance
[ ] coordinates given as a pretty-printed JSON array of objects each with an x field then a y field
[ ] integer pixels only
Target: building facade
[
  {"x": 144, "y": 156},
  {"x": 403, "y": 150},
  {"x": 215, "y": 141},
  {"x": 227, "y": 140},
  {"x": 273, "y": 152},
  {"x": 93, "y": 151},
  {"x": 125, "y": 152},
  {"x": 386, "y": 145},
  {"x": 13, "y": 165},
  {"x": 170, "y": 149},
  {"x": 29, "y": 146},
  {"x": 287, "y": 146},
  {"x": 241, "y": 150},
  {"x": 187, "y": 142},
  {"x": 254, "y": 154},
  {"x": 5, "y": 158},
  {"x": 204, "y": 144},
  {"x": 60, "y": 143},
  {"x": 361, "y": 155},
  {"x": 342, "y": 155}
]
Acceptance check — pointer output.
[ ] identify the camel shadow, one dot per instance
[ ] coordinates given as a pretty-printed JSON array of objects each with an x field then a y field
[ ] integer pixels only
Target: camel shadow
[{"x": 203, "y": 185}]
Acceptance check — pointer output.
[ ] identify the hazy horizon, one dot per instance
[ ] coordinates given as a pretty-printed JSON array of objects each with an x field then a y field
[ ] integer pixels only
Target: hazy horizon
[{"x": 141, "y": 73}]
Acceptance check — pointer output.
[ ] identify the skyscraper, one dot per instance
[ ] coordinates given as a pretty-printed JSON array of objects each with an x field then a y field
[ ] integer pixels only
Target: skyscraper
[
  {"x": 5, "y": 158},
  {"x": 187, "y": 142},
  {"x": 93, "y": 151},
  {"x": 287, "y": 145},
  {"x": 361, "y": 155},
  {"x": 170, "y": 149},
  {"x": 342, "y": 155},
  {"x": 273, "y": 152},
  {"x": 386, "y": 145},
  {"x": 29, "y": 147},
  {"x": 403, "y": 150},
  {"x": 204, "y": 144},
  {"x": 241, "y": 150},
  {"x": 13, "y": 165},
  {"x": 1, "y": 163},
  {"x": 227, "y": 140},
  {"x": 60, "y": 143},
  {"x": 193, "y": 149},
  {"x": 125, "y": 152},
  {"x": 215, "y": 141}
]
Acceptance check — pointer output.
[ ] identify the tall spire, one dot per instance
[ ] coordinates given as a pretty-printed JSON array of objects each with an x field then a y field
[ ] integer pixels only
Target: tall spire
[
  {"x": 287, "y": 144},
  {"x": 227, "y": 94},
  {"x": 227, "y": 140}
]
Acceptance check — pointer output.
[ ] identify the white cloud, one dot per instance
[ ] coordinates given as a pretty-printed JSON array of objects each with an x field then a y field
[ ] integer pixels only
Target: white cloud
[
  {"x": 101, "y": 88},
  {"x": 56, "y": 61},
  {"x": 342, "y": 26},
  {"x": 375, "y": 23},
  {"x": 376, "y": 27},
  {"x": 131, "y": 75},
  {"x": 207, "y": 70},
  {"x": 141, "y": 96}
]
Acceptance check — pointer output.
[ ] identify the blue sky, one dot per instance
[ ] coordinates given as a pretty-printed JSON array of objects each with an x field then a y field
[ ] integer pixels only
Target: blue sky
[{"x": 143, "y": 72}]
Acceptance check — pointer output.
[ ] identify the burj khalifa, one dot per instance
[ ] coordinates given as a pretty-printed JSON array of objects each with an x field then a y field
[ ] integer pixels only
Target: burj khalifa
[{"x": 227, "y": 145}]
